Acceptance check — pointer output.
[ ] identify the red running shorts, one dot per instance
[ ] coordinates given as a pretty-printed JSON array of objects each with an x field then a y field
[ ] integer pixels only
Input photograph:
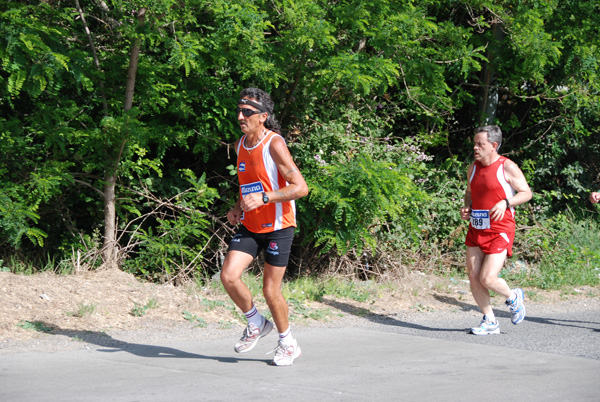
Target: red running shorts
[{"x": 490, "y": 243}]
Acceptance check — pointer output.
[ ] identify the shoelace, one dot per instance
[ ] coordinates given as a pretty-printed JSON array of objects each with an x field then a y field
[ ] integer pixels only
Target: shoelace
[
  {"x": 514, "y": 307},
  {"x": 279, "y": 350},
  {"x": 247, "y": 333}
]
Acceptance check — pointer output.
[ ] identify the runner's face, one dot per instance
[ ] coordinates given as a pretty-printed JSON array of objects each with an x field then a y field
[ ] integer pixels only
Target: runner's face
[
  {"x": 482, "y": 147},
  {"x": 249, "y": 124}
]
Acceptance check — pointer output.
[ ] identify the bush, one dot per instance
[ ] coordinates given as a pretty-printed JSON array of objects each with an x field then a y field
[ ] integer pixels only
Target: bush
[
  {"x": 557, "y": 251},
  {"x": 173, "y": 245},
  {"x": 359, "y": 183}
]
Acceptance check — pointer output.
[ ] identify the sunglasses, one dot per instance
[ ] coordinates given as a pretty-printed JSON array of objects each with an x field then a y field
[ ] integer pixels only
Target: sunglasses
[{"x": 247, "y": 112}]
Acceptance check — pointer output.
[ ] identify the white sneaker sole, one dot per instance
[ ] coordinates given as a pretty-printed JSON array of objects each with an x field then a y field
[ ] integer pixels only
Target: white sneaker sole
[{"x": 494, "y": 332}]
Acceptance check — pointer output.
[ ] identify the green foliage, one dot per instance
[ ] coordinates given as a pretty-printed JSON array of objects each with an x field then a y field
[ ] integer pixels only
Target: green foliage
[
  {"x": 194, "y": 319},
  {"x": 358, "y": 184},
  {"x": 352, "y": 199},
  {"x": 174, "y": 245},
  {"x": 560, "y": 252},
  {"x": 313, "y": 289},
  {"x": 139, "y": 310},
  {"x": 83, "y": 310},
  {"x": 37, "y": 326},
  {"x": 439, "y": 223},
  {"x": 378, "y": 99}
]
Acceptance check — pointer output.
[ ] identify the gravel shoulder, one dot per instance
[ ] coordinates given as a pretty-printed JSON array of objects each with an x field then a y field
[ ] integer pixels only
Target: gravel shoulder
[{"x": 47, "y": 312}]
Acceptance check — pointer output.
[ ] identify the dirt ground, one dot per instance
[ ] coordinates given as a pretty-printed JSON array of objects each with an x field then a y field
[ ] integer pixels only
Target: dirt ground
[{"x": 111, "y": 300}]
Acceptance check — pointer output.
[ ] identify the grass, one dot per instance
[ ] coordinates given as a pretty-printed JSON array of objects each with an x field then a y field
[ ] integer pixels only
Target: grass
[
  {"x": 192, "y": 318},
  {"x": 140, "y": 311},
  {"x": 298, "y": 293},
  {"x": 422, "y": 308},
  {"x": 83, "y": 310},
  {"x": 572, "y": 259},
  {"x": 36, "y": 326},
  {"x": 314, "y": 289}
]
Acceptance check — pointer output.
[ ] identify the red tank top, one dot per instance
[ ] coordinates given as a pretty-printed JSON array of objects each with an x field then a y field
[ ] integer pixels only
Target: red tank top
[
  {"x": 488, "y": 186},
  {"x": 257, "y": 172}
]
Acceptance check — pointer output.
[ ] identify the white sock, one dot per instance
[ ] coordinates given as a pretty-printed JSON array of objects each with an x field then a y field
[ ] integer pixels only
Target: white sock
[
  {"x": 286, "y": 337},
  {"x": 491, "y": 317},
  {"x": 512, "y": 297},
  {"x": 254, "y": 317}
]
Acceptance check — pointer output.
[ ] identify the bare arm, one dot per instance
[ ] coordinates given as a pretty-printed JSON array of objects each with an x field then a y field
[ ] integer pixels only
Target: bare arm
[
  {"x": 296, "y": 187},
  {"x": 234, "y": 215},
  {"x": 517, "y": 181},
  {"x": 465, "y": 211}
]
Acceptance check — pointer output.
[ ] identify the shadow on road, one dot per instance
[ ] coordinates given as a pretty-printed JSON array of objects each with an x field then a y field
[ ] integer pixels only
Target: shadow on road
[
  {"x": 112, "y": 345},
  {"x": 385, "y": 319},
  {"x": 539, "y": 320},
  {"x": 390, "y": 319}
]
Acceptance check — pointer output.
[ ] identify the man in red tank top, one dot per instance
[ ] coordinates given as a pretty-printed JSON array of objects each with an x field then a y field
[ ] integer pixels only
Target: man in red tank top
[
  {"x": 495, "y": 186},
  {"x": 269, "y": 183}
]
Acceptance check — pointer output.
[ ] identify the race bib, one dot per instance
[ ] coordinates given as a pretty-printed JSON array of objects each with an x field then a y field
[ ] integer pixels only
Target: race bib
[{"x": 480, "y": 218}]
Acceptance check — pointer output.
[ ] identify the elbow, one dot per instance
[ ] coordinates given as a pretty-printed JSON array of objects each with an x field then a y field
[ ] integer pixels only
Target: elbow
[{"x": 303, "y": 191}]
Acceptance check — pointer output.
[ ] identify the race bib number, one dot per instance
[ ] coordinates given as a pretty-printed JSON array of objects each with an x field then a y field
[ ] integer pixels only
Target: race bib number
[{"x": 480, "y": 219}]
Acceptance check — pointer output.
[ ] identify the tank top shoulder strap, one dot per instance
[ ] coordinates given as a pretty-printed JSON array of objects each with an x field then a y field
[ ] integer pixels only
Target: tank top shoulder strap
[
  {"x": 269, "y": 137},
  {"x": 240, "y": 142}
]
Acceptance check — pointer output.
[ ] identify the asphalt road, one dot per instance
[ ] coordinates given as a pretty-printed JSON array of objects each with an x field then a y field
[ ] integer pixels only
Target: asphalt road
[{"x": 554, "y": 355}]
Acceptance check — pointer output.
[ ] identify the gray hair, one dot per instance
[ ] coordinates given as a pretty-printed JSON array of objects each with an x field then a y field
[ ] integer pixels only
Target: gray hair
[{"x": 494, "y": 134}]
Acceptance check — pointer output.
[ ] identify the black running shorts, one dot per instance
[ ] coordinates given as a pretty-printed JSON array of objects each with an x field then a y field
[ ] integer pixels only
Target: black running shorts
[{"x": 277, "y": 245}]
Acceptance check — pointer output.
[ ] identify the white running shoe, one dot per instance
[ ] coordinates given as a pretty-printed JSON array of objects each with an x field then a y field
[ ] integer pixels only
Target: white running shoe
[
  {"x": 285, "y": 354},
  {"x": 517, "y": 308},
  {"x": 251, "y": 335},
  {"x": 486, "y": 327}
]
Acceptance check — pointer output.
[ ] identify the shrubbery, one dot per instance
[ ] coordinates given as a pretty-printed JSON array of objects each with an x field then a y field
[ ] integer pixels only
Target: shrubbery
[{"x": 377, "y": 98}]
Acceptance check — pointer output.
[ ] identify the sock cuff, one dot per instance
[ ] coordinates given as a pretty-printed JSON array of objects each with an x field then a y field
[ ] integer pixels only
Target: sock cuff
[{"x": 251, "y": 313}]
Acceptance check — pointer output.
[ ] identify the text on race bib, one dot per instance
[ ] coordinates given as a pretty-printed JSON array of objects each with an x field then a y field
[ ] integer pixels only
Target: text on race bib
[
  {"x": 255, "y": 187},
  {"x": 480, "y": 219}
]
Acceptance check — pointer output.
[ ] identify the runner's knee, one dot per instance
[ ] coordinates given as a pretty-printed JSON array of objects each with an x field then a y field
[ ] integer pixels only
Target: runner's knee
[
  {"x": 228, "y": 278},
  {"x": 488, "y": 280}
]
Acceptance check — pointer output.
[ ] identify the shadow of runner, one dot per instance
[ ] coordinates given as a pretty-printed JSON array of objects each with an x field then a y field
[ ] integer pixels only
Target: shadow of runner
[
  {"x": 539, "y": 320},
  {"x": 385, "y": 319},
  {"x": 151, "y": 351},
  {"x": 466, "y": 307}
]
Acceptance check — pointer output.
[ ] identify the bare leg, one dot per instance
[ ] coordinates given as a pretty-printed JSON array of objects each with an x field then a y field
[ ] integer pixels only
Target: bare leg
[
  {"x": 483, "y": 276},
  {"x": 231, "y": 277},
  {"x": 272, "y": 279},
  {"x": 492, "y": 265}
]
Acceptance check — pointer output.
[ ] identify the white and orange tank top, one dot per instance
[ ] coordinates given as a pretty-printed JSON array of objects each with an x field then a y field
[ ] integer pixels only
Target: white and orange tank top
[
  {"x": 257, "y": 172},
  {"x": 488, "y": 186}
]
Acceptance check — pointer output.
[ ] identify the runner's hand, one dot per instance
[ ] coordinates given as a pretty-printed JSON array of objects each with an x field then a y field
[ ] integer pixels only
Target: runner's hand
[
  {"x": 465, "y": 213},
  {"x": 498, "y": 210},
  {"x": 234, "y": 215},
  {"x": 251, "y": 201}
]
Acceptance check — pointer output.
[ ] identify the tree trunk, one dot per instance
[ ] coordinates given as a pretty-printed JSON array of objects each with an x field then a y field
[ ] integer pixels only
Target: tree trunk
[
  {"x": 133, "y": 64},
  {"x": 489, "y": 101},
  {"x": 110, "y": 252},
  {"x": 109, "y": 249}
]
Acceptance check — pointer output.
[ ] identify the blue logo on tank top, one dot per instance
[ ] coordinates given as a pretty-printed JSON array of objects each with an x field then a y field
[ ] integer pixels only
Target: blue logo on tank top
[
  {"x": 255, "y": 187},
  {"x": 242, "y": 167}
]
